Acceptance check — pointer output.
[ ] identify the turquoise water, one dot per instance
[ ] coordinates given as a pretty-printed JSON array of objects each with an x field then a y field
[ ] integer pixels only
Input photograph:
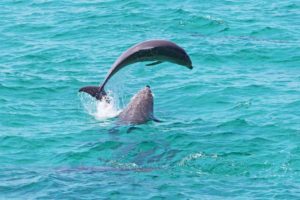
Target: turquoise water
[{"x": 230, "y": 126}]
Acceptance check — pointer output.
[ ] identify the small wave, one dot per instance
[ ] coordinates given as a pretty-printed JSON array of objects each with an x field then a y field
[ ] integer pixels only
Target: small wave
[
  {"x": 273, "y": 33},
  {"x": 243, "y": 104},
  {"x": 234, "y": 123},
  {"x": 294, "y": 104},
  {"x": 190, "y": 157}
]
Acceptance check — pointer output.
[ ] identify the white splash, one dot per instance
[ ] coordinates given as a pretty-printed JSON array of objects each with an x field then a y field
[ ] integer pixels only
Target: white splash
[
  {"x": 105, "y": 110},
  {"x": 101, "y": 110}
]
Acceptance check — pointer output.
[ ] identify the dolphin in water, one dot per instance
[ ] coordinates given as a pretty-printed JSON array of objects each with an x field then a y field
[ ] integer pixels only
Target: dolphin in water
[
  {"x": 139, "y": 110},
  {"x": 157, "y": 51}
]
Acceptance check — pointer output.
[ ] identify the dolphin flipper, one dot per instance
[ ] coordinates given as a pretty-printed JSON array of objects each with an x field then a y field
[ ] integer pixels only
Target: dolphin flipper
[
  {"x": 156, "y": 120},
  {"x": 154, "y": 63}
]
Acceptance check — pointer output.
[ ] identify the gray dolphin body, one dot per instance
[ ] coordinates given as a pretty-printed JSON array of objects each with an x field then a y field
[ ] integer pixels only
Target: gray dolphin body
[
  {"x": 153, "y": 50},
  {"x": 139, "y": 110}
]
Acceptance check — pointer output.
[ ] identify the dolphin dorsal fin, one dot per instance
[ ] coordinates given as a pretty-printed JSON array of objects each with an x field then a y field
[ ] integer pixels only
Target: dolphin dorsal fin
[{"x": 154, "y": 63}]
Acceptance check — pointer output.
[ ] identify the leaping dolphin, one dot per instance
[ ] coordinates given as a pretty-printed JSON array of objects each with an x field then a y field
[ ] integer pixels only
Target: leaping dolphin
[{"x": 157, "y": 51}]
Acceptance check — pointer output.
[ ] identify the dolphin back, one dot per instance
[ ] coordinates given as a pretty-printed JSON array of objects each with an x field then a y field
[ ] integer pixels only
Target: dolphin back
[{"x": 140, "y": 108}]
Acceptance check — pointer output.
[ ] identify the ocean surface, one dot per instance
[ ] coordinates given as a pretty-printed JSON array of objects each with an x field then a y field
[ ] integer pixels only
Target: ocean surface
[{"x": 231, "y": 126}]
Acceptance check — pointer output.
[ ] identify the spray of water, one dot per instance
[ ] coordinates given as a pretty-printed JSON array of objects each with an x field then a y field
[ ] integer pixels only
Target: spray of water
[{"x": 101, "y": 110}]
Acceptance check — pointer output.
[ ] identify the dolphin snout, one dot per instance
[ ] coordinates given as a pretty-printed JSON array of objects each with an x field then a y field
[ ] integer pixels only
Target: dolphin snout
[{"x": 147, "y": 90}]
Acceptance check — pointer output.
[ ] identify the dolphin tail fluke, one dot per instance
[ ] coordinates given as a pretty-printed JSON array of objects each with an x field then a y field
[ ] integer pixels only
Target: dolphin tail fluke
[{"x": 94, "y": 91}]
